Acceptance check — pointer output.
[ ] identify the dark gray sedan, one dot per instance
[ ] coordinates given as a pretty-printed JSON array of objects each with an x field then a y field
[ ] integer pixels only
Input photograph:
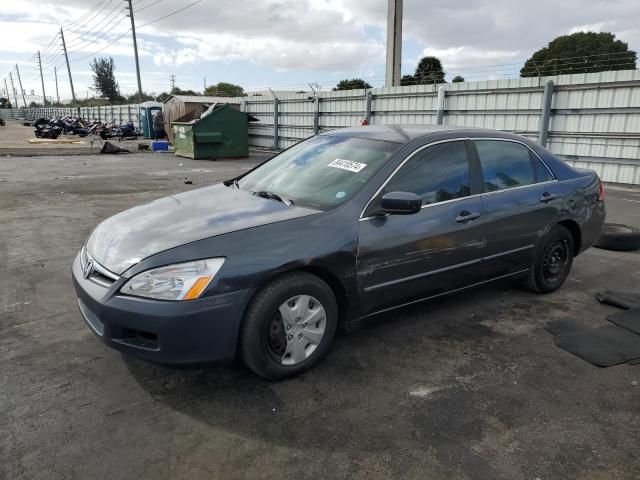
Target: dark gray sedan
[{"x": 339, "y": 227}]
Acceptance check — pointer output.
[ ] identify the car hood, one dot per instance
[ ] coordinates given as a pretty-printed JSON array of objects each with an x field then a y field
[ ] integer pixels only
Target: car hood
[{"x": 123, "y": 240}]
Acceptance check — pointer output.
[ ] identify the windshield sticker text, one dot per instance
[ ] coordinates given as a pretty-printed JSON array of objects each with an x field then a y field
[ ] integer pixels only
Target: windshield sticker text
[{"x": 347, "y": 165}]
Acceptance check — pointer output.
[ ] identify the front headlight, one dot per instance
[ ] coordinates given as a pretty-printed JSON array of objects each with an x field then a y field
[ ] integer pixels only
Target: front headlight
[{"x": 182, "y": 281}]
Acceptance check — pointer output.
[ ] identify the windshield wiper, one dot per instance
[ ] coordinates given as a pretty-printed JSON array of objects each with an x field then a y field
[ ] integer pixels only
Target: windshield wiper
[{"x": 272, "y": 196}]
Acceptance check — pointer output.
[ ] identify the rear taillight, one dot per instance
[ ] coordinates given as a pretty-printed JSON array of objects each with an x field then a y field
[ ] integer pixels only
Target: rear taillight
[{"x": 600, "y": 191}]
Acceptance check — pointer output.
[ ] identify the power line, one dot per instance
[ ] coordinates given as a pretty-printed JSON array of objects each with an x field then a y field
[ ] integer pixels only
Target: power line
[
  {"x": 91, "y": 38},
  {"x": 147, "y": 6},
  {"x": 170, "y": 14},
  {"x": 139, "y": 26},
  {"x": 86, "y": 24},
  {"x": 85, "y": 15},
  {"x": 106, "y": 32}
]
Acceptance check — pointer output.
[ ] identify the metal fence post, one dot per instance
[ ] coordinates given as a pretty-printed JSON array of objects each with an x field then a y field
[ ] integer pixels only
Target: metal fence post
[
  {"x": 545, "y": 116},
  {"x": 275, "y": 123},
  {"x": 316, "y": 114},
  {"x": 367, "y": 114},
  {"x": 440, "y": 111}
]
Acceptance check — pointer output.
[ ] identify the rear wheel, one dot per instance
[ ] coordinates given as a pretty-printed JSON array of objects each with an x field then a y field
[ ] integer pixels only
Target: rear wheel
[
  {"x": 552, "y": 262},
  {"x": 289, "y": 326}
]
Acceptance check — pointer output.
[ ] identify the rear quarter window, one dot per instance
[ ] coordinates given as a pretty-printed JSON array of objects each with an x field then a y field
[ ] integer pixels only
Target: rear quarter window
[{"x": 508, "y": 164}]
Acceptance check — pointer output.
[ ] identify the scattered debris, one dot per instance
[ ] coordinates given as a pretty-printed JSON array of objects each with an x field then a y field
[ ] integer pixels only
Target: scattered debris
[
  {"x": 110, "y": 148},
  {"x": 188, "y": 182}
]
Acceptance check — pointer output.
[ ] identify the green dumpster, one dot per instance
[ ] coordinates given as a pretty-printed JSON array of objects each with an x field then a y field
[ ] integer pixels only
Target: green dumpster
[{"x": 223, "y": 132}]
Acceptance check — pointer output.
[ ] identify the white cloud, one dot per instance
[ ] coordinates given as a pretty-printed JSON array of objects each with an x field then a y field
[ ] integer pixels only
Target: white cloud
[{"x": 321, "y": 35}]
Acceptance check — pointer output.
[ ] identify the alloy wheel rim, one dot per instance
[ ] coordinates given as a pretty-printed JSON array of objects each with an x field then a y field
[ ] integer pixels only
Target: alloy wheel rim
[
  {"x": 296, "y": 330},
  {"x": 555, "y": 260}
]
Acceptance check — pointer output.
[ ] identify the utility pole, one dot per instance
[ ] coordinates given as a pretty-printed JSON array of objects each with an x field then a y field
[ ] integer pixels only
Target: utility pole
[
  {"x": 172, "y": 79},
  {"x": 55, "y": 73},
  {"x": 135, "y": 49},
  {"x": 394, "y": 43},
  {"x": 204, "y": 83},
  {"x": 15, "y": 99},
  {"x": 66, "y": 56},
  {"x": 21, "y": 89},
  {"x": 44, "y": 95}
]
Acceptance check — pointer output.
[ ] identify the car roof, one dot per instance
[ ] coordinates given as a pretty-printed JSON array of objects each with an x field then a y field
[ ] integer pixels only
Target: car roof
[{"x": 406, "y": 133}]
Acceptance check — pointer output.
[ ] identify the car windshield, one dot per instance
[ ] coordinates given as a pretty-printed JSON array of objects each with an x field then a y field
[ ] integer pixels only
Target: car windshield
[{"x": 320, "y": 172}]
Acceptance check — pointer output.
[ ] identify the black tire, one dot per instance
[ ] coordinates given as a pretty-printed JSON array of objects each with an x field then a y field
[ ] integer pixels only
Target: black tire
[
  {"x": 552, "y": 261},
  {"x": 615, "y": 236},
  {"x": 254, "y": 342}
]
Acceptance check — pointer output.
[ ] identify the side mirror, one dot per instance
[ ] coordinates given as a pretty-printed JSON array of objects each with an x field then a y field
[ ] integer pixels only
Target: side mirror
[{"x": 401, "y": 203}]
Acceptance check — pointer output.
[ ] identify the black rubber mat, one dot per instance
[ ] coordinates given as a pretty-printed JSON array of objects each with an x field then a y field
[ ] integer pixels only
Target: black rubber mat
[
  {"x": 557, "y": 327},
  {"x": 629, "y": 319},
  {"x": 602, "y": 346},
  {"x": 619, "y": 299}
]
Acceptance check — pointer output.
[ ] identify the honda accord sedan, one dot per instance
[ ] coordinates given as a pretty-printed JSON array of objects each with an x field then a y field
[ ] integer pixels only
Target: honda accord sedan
[{"x": 340, "y": 227}]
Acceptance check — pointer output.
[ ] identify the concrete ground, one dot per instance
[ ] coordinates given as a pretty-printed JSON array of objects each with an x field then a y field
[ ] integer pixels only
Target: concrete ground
[
  {"x": 465, "y": 387},
  {"x": 14, "y": 141}
]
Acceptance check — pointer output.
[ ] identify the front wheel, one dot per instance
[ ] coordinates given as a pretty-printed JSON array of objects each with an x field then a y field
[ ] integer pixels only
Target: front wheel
[
  {"x": 289, "y": 326},
  {"x": 552, "y": 262}
]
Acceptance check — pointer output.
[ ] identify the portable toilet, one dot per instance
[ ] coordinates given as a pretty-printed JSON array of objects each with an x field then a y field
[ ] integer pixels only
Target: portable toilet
[
  {"x": 148, "y": 110},
  {"x": 221, "y": 131}
]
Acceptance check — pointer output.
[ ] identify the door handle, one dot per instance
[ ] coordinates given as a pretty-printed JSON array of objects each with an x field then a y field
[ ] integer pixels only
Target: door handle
[
  {"x": 466, "y": 216},
  {"x": 547, "y": 197}
]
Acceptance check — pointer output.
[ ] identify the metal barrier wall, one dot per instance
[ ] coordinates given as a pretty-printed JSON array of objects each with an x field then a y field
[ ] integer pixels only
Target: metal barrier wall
[
  {"x": 121, "y": 114},
  {"x": 590, "y": 120}
]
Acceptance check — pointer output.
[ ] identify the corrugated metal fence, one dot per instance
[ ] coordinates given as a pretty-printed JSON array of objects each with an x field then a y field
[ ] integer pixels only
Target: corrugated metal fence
[
  {"x": 120, "y": 114},
  {"x": 594, "y": 123}
]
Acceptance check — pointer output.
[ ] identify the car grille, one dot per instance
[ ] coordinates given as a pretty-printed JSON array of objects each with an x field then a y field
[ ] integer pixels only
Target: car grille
[{"x": 93, "y": 271}]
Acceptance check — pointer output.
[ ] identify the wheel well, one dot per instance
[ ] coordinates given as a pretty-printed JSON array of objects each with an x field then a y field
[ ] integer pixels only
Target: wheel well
[
  {"x": 336, "y": 285},
  {"x": 574, "y": 228}
]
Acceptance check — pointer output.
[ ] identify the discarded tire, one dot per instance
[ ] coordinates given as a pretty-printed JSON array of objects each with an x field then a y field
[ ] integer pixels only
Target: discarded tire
[{"x": 615, "y": 236}]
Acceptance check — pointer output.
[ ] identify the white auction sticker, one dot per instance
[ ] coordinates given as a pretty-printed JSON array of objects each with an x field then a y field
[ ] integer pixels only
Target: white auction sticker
[{"x": 347, "y": 165}]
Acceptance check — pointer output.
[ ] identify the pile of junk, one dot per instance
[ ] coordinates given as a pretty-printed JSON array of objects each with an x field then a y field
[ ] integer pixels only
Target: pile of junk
[{"x": 55, "y": 126}]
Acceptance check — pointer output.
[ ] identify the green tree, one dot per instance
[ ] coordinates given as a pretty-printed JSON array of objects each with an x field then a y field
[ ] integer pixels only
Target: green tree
[
  {"x": 580, "y": 52},
  {"x": 104, "y": 80},
  {"x": 224, "y": 89},
  {"x": 457, "y": 79},
  {"x": 429, "y": 71},
  {"x": 353, "y": 84},
  {"x": 5, "y": 103},
  {"x": 407, "y": 80},
  {"x": 133, "y": 98},
  {"x": 179, "y": 91},
  {"x": 163, "y": 96}
]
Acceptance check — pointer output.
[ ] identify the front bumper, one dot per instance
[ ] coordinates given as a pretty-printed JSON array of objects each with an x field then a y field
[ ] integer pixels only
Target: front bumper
[{"x": 173, "y": 333}]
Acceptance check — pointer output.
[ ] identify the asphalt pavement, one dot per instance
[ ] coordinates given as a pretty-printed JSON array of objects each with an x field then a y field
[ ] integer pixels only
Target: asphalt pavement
[{"x": 469, "y": 386}]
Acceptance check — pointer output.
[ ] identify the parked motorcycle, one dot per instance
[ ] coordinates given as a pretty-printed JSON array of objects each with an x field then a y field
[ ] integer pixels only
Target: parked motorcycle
[{"x": 46, "y": 130}]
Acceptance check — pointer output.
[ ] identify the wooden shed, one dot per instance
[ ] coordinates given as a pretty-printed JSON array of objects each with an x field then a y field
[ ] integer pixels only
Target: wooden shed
[{"x": 177, "y": 107}]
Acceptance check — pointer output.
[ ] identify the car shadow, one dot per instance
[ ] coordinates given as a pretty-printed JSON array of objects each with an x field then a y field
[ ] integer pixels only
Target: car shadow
[{"x": 357, "y": 396}]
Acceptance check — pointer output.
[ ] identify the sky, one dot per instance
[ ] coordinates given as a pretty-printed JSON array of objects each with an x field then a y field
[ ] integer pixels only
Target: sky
[{"x": 286, "y": 44}]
